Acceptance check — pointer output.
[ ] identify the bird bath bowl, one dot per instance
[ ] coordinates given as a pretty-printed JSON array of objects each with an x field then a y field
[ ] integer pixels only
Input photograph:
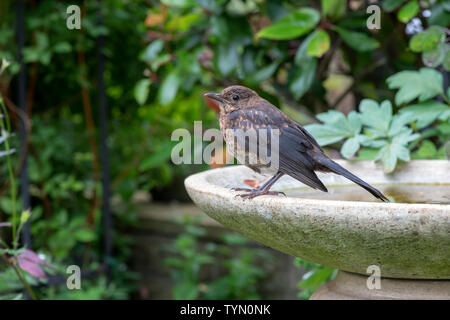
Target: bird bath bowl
[{"x": 408, "y": 242}]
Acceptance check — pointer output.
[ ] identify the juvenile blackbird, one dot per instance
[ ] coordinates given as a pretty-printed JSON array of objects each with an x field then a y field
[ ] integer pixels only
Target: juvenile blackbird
[{"x": 299, "y": 154}]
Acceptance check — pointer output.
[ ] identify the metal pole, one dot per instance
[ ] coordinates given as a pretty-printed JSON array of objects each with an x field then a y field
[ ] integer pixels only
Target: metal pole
[
  {"x": 104, "y": 154},
  {"x": 24, "y": 180}
]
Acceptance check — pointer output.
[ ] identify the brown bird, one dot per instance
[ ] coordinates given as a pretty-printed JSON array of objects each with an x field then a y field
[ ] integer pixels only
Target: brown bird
[{"x": 299, "y": 154}]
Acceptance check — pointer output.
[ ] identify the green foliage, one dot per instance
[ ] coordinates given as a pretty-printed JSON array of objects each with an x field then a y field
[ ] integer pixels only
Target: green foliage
[
  {"x": 427, "y": 40},
  {"x": 314, "y": 278},
  {"x": 357, "y": 40},
  {"x": 240, "y": 275},
  {"x": 319, "y": 43},
  {"x": 65, "y": 224},
  {"x": 391, "y": 5},
  {"x": 334, "y": 9},
  {"x": 432, "y": 44},
  {"x": 423, "y": 84},
  {"x": 428, "y": 150},
  {"x": 142, "y": 90},
  {"x": 338, "y": 127},
  {"x": 427, "y": 112},
  {"x": 408, "y": 11},
  {"x": 382, "y": 130},
  {"x": 293, "y": 25}
]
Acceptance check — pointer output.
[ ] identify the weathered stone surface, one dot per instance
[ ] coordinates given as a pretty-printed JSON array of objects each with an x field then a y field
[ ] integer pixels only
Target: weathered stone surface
[
  {"x": 352, "y": 286},
  {"x": 404, "y": 240}
]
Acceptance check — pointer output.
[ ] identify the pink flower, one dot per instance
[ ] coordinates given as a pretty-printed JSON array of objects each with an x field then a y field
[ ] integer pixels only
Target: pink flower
[{"x": 30, "y": 262}]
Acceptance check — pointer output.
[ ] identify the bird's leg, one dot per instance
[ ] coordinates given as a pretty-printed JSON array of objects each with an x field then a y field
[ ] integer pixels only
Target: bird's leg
[{"x": 263, "y": 190}]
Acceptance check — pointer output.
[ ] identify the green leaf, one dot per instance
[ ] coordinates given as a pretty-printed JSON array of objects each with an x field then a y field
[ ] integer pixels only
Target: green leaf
[
  {"x": 376, "y": 116},
  {"x": 398, "y": 123},
  {"x": 226, "y": 58},
  {"x": 350, "y": 147},
  {"x": 12, "y": 252},
  {"x": 408, "y": 11},
  {"x": 435, "y": 57},
  {"x": 169, "y": 88},
  {"x": 263, "y": 73},
  {"x": 350, "y": 125},
  {"x": 390, "y": 154},
  {"x": 354, "y": 122},
  {"x": 319, "y": 43},
  {"x": 313, "y": 279},
  {"x": 366, "y": 154},
  {"x": 40, "y": 52},
  {"x": 427, "y": 150},
  {"x": 332, "y": 117},
  {"x": 357, "y": 40},
  {"x": 183, "y": 23},
  {"x": 234, "y": 239},
  {"x": 396, "y": 149},
  {"x": 440, "y": 14},
  {"x": 85, "y": 235},
  {"x": 405, "y": 136},
  {"x": 336, "y": 127},
  {"x": 4, "y": 64},
  {"x": 24, "y": 216},
  {"x": 391, "y": 5},
  {"x": 292, "y": 26},
  {"x": 333, "y": 8},
  {"x": 445, "y": 115},
  {"x": 425, "y": 113},
  {"x": 325, "y": 135},
  {"x": 446, "y": 62},
  {"x": 302, "y": 78},
  {"x": 423, "y": 84},
  {"x": 42, "y": 40},
  {"x": 141, "y": 91},
  {"x": 179, "y": 3},
  {"x": 444, "y": 128},
  {"x": 301, "y": 56},
  {"x": 152, "y": 50},
  {"x": 373, "y": 143},
  {"x": 62, "y": 47},
  {"x": 427, "y": 40}
]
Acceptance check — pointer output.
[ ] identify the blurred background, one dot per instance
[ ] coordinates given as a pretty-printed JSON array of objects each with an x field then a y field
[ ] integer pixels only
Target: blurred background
[{"x": 86, "y": 176}]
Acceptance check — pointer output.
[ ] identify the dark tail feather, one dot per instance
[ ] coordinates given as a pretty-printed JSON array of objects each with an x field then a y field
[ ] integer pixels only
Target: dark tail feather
[{"x": 334, "y": 167}]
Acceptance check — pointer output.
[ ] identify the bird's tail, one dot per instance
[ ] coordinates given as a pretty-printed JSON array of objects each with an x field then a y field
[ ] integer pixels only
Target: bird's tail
[{"x": 336, "y": 168}]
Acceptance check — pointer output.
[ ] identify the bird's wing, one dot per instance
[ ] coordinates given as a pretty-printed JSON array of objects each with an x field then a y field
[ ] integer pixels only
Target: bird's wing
[
  {"x": 293, "y": 140},
  {"x": 294, "y": 159},
  {"x": 307, "y": 135}
]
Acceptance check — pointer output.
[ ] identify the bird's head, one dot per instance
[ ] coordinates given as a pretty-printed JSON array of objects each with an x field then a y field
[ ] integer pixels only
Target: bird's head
[{"x": 232, "y": 98}]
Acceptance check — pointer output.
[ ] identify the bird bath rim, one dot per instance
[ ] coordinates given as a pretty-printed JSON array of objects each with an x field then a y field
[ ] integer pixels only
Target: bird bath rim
[
  {"x": 218, "y": 190},
  {"x": 408, "y": 240}
]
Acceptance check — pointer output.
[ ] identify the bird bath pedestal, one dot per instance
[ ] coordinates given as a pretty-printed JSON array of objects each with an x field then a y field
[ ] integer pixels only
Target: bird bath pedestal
[{"x": 408, "y": 243}]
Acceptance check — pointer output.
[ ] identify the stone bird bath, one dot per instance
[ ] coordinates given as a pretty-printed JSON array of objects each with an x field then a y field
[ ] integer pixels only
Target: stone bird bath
[{"x": 409, "y": 242}]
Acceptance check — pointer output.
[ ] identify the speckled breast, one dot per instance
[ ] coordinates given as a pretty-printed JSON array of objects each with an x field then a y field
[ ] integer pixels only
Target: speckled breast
[{"x": 251, "y": 147}]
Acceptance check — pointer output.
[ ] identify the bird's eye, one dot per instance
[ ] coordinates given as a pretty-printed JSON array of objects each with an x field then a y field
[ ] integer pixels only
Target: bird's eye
[{"x": 236, "y": 98}]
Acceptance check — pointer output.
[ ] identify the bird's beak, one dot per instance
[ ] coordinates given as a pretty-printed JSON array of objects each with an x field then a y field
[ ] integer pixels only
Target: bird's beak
[{"x": 214, "y": 96}]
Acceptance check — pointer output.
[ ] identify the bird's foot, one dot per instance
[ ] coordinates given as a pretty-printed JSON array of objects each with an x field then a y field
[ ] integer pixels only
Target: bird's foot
[{"x": 253, "y": 193}]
